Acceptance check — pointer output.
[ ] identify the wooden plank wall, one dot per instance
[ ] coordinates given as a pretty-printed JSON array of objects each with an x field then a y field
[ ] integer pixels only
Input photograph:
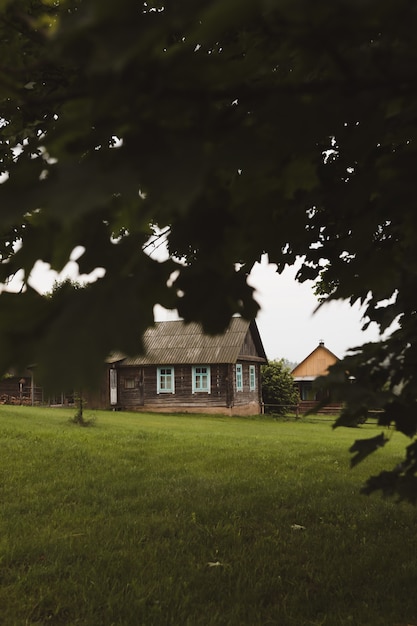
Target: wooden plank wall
[{"x": 223, "y": 388}]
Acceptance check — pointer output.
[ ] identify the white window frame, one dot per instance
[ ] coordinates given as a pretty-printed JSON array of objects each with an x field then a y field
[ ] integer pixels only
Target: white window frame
[
  {"x": 162, "y": 377},
  {"x": 252, "y": 378},
  {"x": 113, "y": 386},
  {"x": 200, "y": 376},
  {"x": 239, "y": 377}
]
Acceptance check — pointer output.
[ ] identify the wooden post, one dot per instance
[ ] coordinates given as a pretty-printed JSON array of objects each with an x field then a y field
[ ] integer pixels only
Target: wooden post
[{"x": 21, "y": 383}]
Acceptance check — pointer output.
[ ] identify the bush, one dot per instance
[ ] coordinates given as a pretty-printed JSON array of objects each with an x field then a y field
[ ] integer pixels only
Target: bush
[{"x": 278, "y": 391}]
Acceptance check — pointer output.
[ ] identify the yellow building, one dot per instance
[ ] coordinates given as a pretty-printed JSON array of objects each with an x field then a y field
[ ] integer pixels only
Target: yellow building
[{"x": 314, "y": 365}]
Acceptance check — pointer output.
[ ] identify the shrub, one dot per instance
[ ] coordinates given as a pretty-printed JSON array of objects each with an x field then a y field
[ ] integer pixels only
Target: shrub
[{"x": 278, "y": 391}]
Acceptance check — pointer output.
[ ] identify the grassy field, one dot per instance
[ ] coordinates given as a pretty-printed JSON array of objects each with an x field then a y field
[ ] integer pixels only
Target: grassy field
[{"x": 180, "y": 520}]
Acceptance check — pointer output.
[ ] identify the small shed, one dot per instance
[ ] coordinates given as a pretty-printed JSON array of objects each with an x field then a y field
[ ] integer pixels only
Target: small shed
[
  {"x": 185, "y": 370},
  {"x": 314, "y": 365}
]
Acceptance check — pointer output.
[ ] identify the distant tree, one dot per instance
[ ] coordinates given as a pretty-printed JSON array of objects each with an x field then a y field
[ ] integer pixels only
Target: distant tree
[
  {"x": 278, "y": 389},
  {"x": 67, "y": 286},
  {"x": 289, "y": 364}
]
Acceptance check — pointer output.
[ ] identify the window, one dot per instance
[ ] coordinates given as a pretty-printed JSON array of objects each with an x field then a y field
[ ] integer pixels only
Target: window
[
  {"x": 239, "y": 377},
  {"x": 165, "y": 380},
  {"x": 201, "y": 379},
  {"x": 113, "y": 386},
  {"x": 130, "y": 383},
  {"x": 252, "y": 377}
]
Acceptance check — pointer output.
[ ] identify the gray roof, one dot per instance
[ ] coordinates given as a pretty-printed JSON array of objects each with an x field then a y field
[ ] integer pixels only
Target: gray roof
[{"x": 175, "y": 342}]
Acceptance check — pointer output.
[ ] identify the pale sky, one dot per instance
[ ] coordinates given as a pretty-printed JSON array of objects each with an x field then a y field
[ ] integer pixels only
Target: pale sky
[
  {"x": 289, "y": 323},
  {"x": 289, "y": 326}
]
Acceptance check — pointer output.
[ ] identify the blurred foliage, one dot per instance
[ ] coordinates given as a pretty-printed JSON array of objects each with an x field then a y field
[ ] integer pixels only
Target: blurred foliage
[{"x": 251, "y": 127}]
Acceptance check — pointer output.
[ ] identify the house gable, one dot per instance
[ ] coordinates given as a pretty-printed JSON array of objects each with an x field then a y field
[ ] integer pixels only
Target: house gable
[
  {"x": 252, "y": 348},
  {"x": 315, "y": 364}
]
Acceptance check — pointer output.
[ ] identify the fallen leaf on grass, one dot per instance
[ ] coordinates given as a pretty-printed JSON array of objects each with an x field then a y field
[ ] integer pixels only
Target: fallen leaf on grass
[
  {"x": 214, "y": 564},
  {"x": 297, "y": 527}
]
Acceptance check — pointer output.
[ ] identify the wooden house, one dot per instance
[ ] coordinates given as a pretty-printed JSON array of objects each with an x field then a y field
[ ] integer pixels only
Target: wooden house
[
  {"x": 184, "y": 370},
  {"x": 305, "y": 373},
  {"x": 19, "y": 388}
]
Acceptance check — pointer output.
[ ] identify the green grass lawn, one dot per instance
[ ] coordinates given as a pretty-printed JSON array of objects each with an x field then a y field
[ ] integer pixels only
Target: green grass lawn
[{"x": 181, "y": 520}]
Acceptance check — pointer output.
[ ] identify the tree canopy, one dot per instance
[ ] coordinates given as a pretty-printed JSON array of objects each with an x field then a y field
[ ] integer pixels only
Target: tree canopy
[
  {"x": 278, "y": 392},
  {"x": 239, "y": 128}
]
